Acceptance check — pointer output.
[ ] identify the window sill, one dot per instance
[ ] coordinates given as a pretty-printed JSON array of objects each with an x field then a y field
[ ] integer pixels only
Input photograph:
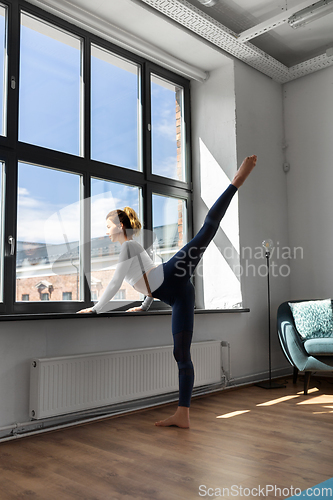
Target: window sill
[{"x": 47, "y": 316}]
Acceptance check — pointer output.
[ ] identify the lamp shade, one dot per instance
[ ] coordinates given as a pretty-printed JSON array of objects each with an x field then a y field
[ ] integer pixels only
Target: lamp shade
[{"x": 268, "y": 245}]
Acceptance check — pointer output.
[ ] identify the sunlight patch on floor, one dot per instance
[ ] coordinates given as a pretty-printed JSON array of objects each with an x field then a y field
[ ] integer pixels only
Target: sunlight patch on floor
[
  {"x": 310, "y": 391},
  {"x": 319, "y": 400},
  {"x": 233, "y": 414},
  {"x": 278, "y": 400}
]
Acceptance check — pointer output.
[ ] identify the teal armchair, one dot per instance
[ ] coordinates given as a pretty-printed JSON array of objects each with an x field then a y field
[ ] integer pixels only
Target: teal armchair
[{"x": 307, "y": 356}]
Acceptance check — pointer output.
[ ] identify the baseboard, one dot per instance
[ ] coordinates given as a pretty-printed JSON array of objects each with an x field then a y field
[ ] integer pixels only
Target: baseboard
[{"x": 259, "y": 377}]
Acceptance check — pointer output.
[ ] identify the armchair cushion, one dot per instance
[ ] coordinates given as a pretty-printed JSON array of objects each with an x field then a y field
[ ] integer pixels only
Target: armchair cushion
[
  {"x": 313, "y": 319},
  {"x": 319, "y": 347}
]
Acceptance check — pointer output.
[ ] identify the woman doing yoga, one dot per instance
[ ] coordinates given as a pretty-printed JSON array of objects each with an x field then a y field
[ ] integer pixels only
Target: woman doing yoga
[{"x": 169, "y": 282}]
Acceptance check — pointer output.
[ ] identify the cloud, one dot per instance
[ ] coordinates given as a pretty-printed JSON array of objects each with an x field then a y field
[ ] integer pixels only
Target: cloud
[
  {"x": 166, "y": 167},
  {"x": 100, "y": 207},
  {"x": 166, "y": 129},
  {"x": 25, "y": 200}
]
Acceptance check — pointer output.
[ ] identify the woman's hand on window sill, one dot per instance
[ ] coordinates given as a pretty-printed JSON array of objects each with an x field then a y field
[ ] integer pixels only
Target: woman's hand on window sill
[
  {"x": 88, "y": 310},
  {"x": 134, "y": 309}
]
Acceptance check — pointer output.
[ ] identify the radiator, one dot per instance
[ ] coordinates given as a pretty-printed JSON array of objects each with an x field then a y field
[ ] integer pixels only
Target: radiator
[{"x": 69, "y": 384}]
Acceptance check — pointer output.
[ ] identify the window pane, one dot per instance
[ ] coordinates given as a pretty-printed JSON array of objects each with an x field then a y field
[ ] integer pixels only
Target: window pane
[
  {"x": 3, "y": 69},
  {"x": 2, "y": 199},
  {"x": 48, "y": 234},
  {"x": 50, "y": 87},
  {"x": 115, "y": 110},
  {"x": 169, "y": 226},
  {"x": 167, "y": 129},
  {"x": 107, "y": 196}
]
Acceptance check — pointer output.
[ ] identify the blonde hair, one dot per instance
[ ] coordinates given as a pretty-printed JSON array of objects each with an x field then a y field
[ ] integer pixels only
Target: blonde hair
[
  {"x": 127, "y": 218},
  {"x": 134, "y": 219}
]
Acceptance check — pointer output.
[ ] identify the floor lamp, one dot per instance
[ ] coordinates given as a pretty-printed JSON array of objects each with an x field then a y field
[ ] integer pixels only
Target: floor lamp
[{"x": 268, "y": 245}]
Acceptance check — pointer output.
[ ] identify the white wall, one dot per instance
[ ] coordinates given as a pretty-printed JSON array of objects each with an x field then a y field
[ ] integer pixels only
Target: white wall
[
  {"x": 256, "y": 115},
  {"x": 263, "y": 199},
  {"x": 308, "y": 104}
]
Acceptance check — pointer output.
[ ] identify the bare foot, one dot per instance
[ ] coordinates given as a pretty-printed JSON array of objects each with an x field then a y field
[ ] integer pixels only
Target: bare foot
[
  {"x": 244, "y": 170},
  {"x": 180, "y": 419}
]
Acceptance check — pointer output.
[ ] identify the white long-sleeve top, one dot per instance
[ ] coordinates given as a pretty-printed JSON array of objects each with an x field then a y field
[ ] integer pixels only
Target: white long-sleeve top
[{"x": 133, "y": 262}]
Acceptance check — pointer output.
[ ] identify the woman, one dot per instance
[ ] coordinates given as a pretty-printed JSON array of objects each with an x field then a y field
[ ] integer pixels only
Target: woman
[{"x": 169, "y": 282}]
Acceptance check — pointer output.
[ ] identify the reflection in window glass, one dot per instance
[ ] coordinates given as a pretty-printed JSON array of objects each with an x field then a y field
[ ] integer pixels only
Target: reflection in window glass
[
  {"x": 115, "y": 110},
  {"x": 167, "y": 129},
  {"x": 3, "y": 69},
  {"x": 107, "y": 196},
  {"x": 169, "y": 226},
  {"x": 48, "y": 234},
  {"x": 50, "y": 87}
]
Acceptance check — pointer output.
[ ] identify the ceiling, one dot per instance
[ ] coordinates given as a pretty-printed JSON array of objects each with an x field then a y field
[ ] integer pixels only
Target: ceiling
[
  {"x": 203, "y": 36},
  {"x": 287, "y": 45}
]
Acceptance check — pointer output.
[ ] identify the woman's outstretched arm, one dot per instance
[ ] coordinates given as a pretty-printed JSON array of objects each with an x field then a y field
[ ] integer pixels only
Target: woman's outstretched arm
[{"x": 144, "y": 306}]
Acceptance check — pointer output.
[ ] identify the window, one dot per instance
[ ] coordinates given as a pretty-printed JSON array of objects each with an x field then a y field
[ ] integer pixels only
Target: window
[
  {"x": 167, "y": 129},
  {"x": 2, "y": 197},
  {"x": 48, "y": 230},
  {"x": 120, "y": 295},
  {"x": 3, "y": 69},
  {"x": 91, "y": 128},
  {"x": 170, "y": 231},
  {"x": 107, "y": 196},
  {"x": 50, "y": 86},
  {"x": 115, "y": 110}
]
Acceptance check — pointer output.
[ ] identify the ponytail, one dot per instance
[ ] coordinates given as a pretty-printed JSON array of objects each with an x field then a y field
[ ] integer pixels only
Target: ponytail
[{"x": 134, "y": 220}]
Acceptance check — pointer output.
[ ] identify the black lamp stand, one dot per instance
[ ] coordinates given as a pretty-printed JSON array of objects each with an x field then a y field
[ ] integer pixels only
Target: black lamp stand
[{"x": 269, "y": 384}]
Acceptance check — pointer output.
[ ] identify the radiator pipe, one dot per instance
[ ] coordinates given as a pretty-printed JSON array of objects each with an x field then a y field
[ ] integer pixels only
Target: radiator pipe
[
  {"x": 98, "y": 416},
  {"x": 228, "y": 372}
]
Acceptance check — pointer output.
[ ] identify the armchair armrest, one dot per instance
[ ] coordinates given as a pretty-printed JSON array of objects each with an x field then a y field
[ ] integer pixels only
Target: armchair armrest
[{"x": 291, "y": 342}]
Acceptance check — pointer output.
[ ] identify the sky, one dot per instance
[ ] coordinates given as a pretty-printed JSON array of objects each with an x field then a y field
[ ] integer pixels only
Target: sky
[{"x": 49, "y": 116}]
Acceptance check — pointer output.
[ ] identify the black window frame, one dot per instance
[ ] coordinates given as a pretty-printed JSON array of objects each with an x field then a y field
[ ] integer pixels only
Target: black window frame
[{"x": 13, "y": 151}]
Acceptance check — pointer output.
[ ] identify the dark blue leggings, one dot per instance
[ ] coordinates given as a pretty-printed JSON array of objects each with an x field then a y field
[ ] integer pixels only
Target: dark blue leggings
[{"x": 178, "y": 291}]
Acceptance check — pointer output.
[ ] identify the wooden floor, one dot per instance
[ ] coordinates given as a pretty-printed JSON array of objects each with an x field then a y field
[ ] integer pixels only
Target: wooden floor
[{"x": 283, "y": 444}]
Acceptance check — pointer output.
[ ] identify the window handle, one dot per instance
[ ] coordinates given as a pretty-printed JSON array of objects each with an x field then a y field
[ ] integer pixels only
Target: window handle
[{"x": 11, "y": 241}]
